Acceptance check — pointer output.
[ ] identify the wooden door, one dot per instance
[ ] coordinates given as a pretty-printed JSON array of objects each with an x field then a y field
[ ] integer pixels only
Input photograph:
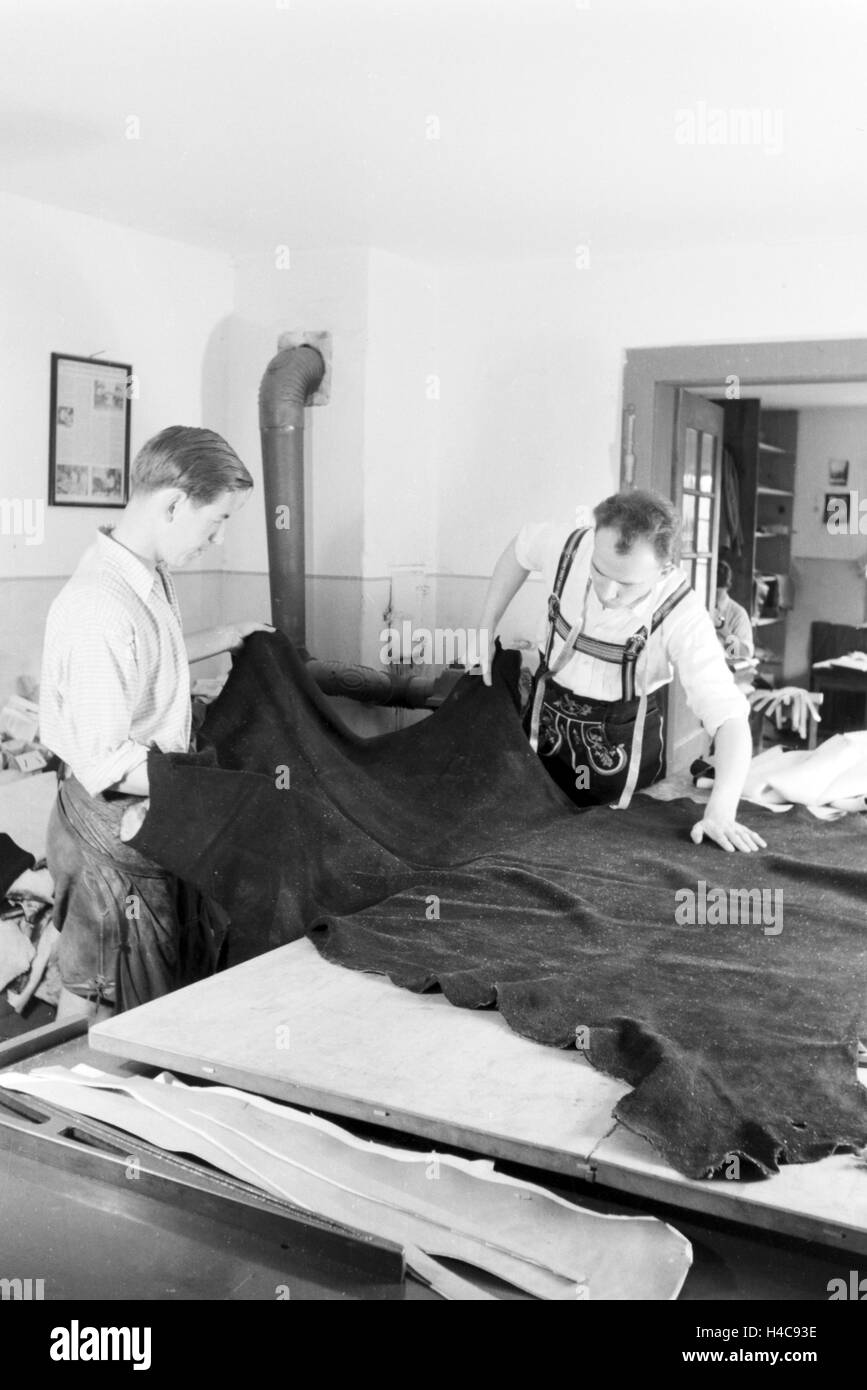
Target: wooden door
[{"x": 695, "y": 490}]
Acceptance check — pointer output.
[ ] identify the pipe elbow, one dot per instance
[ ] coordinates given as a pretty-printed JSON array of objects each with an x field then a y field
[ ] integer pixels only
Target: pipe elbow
[{"x": 289, "y": 379}]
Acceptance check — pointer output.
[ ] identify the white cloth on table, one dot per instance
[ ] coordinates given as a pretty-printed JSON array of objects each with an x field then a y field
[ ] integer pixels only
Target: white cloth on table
[{"x": 829, "y": 780}]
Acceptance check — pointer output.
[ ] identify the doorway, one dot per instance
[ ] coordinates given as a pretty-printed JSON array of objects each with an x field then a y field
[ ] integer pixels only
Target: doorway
[{"x": 755, "y": 385}]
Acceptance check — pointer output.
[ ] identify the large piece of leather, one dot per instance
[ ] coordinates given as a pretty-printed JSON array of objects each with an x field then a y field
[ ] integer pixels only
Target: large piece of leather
[{"x": 445, "y": 857}]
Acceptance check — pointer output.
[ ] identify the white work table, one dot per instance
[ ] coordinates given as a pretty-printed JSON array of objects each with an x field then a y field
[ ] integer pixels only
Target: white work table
[{"x": 293, "y": 1027}]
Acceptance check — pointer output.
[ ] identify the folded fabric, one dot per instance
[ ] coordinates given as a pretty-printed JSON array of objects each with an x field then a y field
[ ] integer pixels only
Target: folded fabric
[
  {"x": 32, "y": 883},
  {"x": 831, "y": 775},
  {"x": 25, "y": 808},
  {"x": 852, "y": 661},
  {"x": 16, "y": 952}
]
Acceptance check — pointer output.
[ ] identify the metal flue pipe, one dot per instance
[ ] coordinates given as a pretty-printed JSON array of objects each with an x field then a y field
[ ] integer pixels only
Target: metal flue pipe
[
  {"x": 289, "y": 380},
  {"x": 400, "y": 689}
]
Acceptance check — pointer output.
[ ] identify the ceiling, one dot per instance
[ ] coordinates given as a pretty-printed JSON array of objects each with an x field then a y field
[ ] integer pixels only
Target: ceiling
[{"x": 306, "y": 122}]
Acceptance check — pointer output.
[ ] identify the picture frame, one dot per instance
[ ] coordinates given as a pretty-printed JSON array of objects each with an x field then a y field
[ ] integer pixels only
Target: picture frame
[
  {"x": 837, "y": 509},
  {"x": 89, "y": 432},
  {"x": 838, "y": 472}
]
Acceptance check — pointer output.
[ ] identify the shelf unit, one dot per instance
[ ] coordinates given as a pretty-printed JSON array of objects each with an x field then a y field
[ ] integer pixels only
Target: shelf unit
[{"x": 763, "y": 445}]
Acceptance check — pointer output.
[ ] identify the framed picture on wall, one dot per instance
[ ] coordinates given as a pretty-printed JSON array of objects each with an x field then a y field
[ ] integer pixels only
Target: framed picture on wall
[
  {"x": 836, "y": 514},
  {"x": 838, "y": 472},
  {"x": 89, "y": 428}
]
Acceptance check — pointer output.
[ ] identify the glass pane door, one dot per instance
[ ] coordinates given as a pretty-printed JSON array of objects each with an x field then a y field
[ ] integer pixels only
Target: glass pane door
[{"x": 699, "y": 500}]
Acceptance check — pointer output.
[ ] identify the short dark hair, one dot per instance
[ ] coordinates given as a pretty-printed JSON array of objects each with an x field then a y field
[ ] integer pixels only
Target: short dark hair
[
  {"x": 723, "y": 575},
  {"x": 198, "y": 461},
  {"x": 644, "y": 516}
]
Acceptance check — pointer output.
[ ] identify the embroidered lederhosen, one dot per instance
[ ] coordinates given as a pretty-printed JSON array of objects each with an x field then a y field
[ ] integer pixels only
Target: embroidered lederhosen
[
  {"x": 585, "y": 745},
  {"x": 565, "y": 727}
]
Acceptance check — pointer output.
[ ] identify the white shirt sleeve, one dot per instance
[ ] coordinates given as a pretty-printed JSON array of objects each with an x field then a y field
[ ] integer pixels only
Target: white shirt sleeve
[
  {"x": 533, "y": 545},
  {"x": 694, "y": 650}
]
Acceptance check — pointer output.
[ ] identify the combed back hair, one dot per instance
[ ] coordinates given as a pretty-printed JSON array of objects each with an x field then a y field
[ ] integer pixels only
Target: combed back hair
[
  {"x": 723, "y": 575},
  {"x": 641, "y": 516},
  {"x": 198, "y": 461}
]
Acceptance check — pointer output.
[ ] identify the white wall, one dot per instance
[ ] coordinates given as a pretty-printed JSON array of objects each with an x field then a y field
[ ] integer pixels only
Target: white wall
[
  {"x": 401, "y": 449},
  {"x": 74, "y": 284},
  {"x": 370, "y": 452},
  {"x": 532, "y": 356},
  {"x": 407, "y": 492},
  {"x": 402, "y": 417},
  {"x": 824, "y": 434},
  {"x": 70, "y": 283},
  {"x": 318, "y": 291},
  {"x": 414, "y": 490},
  {"x": 530, "y": 377}
]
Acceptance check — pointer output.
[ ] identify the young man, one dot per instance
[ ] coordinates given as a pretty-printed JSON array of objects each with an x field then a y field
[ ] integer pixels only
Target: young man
[
  {"x": 732, "y": 622},
  {"x": 116, "y": 682},
  {"x": 622, "y": 617}
]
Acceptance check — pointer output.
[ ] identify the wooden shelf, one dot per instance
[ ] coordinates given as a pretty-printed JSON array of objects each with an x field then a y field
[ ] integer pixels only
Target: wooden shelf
[{"x": 763, "y": 445}]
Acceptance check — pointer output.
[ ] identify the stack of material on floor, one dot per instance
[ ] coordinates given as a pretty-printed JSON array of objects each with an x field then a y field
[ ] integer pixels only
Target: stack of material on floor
[
  {"x": 435, "y": 1205},
  {"x": 16, "y": 951},
  {"x": 20, "y": 750},
  {"x": 445, "y": 856}
]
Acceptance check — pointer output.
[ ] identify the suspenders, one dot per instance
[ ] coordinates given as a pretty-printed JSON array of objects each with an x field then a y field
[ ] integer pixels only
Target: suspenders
[{"x": 622, "y": 654}]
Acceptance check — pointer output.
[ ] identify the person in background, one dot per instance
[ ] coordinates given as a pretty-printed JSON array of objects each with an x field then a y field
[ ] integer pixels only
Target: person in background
[
  {"x": 115, "y": 683},
  {"x": 621, "y": 619},
  {"x": 732, "y": 622},
  {"x": 735, "y": 632}
]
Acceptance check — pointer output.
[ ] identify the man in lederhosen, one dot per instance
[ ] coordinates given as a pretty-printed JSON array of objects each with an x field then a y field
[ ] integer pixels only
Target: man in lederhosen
[
  {"x": 115, "y": 683},
  {"x": 621, "y": 618}
]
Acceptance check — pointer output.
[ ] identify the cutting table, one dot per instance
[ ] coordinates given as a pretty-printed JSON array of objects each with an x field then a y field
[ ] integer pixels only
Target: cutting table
[
  {"x": 291, "y": 1026},
  {"x": 102, "y": 1216}
]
